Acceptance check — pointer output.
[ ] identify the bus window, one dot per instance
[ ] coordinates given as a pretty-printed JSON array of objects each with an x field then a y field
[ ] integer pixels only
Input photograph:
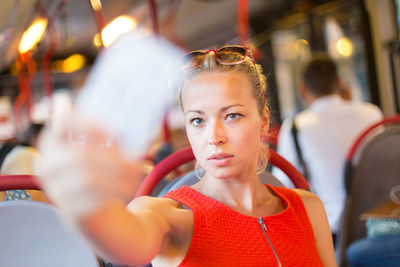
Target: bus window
[
  {"x": 346, "y": 46},
  {"x": 290, "y": 48},
  {"x": 340, "y": 30}
]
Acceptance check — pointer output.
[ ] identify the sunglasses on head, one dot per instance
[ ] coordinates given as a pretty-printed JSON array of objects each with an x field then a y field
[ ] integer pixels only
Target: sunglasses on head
[{"x": 223, "y": 55}]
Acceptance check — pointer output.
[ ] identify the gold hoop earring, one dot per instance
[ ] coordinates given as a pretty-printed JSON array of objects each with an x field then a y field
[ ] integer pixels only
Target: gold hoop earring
[{"x": 263, "y": 159}]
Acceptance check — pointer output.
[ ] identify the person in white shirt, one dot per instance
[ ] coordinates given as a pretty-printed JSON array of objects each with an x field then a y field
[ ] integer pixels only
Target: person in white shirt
[{"x": 325, "y": 131}]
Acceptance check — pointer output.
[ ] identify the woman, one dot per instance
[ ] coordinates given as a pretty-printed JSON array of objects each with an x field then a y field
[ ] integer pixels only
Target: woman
[{"x": 228, "y": 218}]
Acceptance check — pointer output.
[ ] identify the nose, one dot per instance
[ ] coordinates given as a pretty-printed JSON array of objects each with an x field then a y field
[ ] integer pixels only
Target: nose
[{"x": 217, "y": 134}]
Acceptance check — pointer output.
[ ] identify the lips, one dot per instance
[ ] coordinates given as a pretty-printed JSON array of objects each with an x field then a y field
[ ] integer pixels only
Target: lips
[
  {"x": 220, "y": 156},
  {"x": 220, "y": 159}
]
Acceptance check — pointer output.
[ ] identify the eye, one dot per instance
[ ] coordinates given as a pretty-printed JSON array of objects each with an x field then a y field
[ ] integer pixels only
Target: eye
[
  {"x": 197, "y": 121},
  {"x": 233, "y": 116}
]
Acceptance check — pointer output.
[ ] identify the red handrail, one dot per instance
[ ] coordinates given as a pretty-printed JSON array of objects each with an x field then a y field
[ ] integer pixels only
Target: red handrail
[
  {"x": 162, "y": 169},
  {"x": 294, "y": 174},
  {"x": 362, "y": 135},
  {"x": 186, "y": 155}
]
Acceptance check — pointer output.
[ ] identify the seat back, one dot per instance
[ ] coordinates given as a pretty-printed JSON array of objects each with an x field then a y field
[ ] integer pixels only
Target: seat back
[
  {"x": 179, "y": 158},
  {"x": 33, "y": 234},
  {"x": 15, "y": 182},
  {"x": 191, "y": 178},
  {"x": 369, "y": 179},
  {"x": 14, "y": 187}
]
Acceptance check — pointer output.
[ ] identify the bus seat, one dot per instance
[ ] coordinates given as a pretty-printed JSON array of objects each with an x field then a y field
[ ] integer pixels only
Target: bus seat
[
  {"x": 33, "y": 234},
  {"x": 191, "y": 178},
  {"x": 370, "y": 178},
  {"x": 15, "y": 182},
  {"x": 20, "y": 187},
  {"x": 186, "y": 155},
  {"x": 188, "y": 179}
]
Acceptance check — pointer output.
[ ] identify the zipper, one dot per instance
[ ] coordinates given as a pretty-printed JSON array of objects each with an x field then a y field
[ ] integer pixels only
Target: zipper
[{"x": 264, "y": 229}]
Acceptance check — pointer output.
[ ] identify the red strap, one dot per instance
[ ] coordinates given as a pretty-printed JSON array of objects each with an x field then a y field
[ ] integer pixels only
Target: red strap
[
  {"x": 154, "y": 17},
  {"x": 46, "y": 60},
  {"x": 99, "y": 17},
  {"x": 243, "y": 21},
  {"x": 26, "y": 71},
  {"x": 165, "y": 129}
]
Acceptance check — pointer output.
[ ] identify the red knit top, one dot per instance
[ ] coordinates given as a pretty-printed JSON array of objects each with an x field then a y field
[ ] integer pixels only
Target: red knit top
[{"x": 225, "y": 237}]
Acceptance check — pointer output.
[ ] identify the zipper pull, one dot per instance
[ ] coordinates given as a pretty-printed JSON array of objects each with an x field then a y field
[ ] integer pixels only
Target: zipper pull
[
  {"x": 261, "y": 221},
  {"x": 264, "y": 228}
]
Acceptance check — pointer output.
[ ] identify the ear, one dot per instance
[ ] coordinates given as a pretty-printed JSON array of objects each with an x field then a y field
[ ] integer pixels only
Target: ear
[
  {"x": 305, "y": 93},
  {"x": 303, "y": 90},
  {"x": 343, "y": 90},
  {"x": 265, "y": 122}
]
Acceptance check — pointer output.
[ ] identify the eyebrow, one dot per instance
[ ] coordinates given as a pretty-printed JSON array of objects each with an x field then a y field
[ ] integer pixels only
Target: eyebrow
[
  {"x": 222, "y": 109},
  {"x": 231, "y": 106},
  {"x": 194, "y": 111}
]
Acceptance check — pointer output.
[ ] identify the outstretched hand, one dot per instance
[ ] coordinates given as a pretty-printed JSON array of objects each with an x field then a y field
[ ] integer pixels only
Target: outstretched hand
[{"x": 81, "y": 167}]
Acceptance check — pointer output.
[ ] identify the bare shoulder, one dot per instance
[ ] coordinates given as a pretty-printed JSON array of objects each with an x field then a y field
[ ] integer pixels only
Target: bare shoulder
[
  {"x": 319, "y": 222},
  {"x": 314, "y": 207},
  {"x": 310, "y": 200}
]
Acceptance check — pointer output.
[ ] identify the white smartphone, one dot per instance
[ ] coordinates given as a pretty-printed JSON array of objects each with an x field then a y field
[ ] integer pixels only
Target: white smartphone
[{"x": 129, "y": 89}]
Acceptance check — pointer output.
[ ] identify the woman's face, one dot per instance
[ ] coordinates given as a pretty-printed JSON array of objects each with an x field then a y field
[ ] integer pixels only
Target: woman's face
[{"x": 223, "y": 123}]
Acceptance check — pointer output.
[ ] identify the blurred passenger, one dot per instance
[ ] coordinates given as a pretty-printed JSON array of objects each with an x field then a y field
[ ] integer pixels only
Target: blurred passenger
[
  {"x": 17, "y": 157},
  {"x": 173, "y": 135},
  {"x": 317, "y": 140},
  {"x": 379, "y": 251},
  {"x": 174, "y": 139},
  {"x": 228, "y": 218},
  {"x": 381, "y": 247}
]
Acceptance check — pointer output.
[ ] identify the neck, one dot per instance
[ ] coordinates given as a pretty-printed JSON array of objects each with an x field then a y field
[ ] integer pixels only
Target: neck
[
  {"x": 243, "y": 195},
  {"x": 313, "y": 98}
]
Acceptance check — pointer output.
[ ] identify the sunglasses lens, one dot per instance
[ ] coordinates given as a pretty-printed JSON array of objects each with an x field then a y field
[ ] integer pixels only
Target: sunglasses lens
[
  {"x": 231, "y": 54},
  {"x": 191, "y": 60},
  {"x": 225, "y": 55}
]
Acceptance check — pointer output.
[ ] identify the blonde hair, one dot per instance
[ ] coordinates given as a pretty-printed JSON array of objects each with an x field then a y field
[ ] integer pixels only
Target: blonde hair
[{"x": 253, "y": 71}]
